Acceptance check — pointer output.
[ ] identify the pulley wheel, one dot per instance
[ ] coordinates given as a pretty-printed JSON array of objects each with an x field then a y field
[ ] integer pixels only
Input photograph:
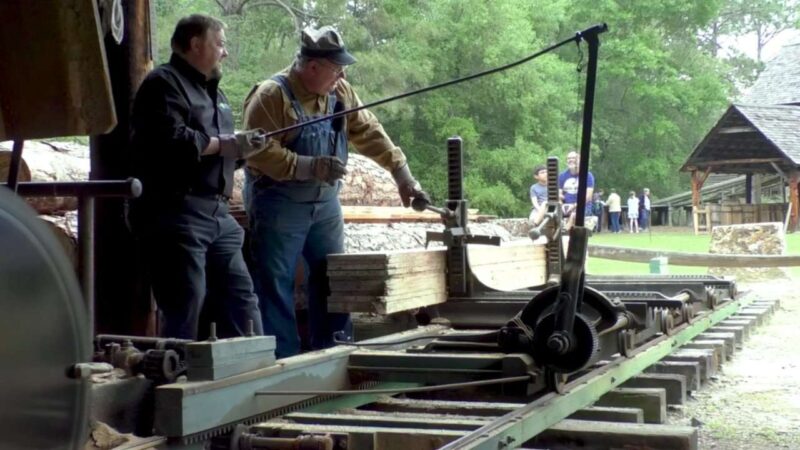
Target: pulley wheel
[
  {"x": 43, "y": 330},
  {"x": 584, "y": 348}
]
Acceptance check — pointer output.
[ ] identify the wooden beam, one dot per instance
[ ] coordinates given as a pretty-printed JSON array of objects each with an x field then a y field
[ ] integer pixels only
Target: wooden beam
[
  {"x": 122, "y": 286},
  {"x": 794, "y": 199},
  {"x": 726, "y": 162},
  {"x": 652, "y": 402},
  {"x": 779, "y": 171},
  {"x": 734, "y": 130},
  {"x": 698, "y": 178},
  {"x": 580, "y": 433},
  {"x": 692, "y": 259}
]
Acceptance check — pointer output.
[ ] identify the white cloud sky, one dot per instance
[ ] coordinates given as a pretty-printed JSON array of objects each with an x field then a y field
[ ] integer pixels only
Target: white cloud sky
[{"x": 747, "y": 44}]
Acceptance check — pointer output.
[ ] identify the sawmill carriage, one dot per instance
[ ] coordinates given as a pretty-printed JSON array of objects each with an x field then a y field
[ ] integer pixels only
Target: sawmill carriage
[{"x": 493, "y": 362}]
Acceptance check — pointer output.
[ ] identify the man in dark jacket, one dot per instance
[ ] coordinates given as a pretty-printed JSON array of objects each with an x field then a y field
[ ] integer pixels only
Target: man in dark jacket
[{"x": 185, "y": 153}]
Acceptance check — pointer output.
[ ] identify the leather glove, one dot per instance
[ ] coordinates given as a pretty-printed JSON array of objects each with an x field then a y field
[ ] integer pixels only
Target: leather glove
[
  {"x": 243, "y": 144},
  {"x": 408, "y": 186},
  {"x": 323, "y": 168}
]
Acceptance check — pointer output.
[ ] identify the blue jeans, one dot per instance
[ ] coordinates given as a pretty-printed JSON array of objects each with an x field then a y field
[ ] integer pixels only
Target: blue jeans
[
  {"x": 286, "y": 223},
  {"x": 613, "y": 221}
]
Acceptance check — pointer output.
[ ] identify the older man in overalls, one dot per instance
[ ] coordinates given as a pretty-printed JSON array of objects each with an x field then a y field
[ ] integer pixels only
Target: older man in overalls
[{"x": 292, "y": 188}]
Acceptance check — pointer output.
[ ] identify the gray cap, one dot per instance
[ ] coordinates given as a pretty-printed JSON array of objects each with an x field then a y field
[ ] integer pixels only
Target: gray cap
[{"x": 326, "y": 43}]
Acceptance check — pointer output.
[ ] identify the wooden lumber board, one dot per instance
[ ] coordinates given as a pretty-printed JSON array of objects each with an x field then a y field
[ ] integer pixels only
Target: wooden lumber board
[
  {"x": 673, "y": 385},
  {"x": 380, "y": 259},
  {"x": 578, "y": 433},
  {"x": 388, "y": 287},
  {"x": 382, "y": 298},
  {"x": 376, "y": 270},
  {"x": 652, "y": 401},
  {"x": 689, "y": 370},
  {"x": 386, "y": 282},
  {"x": 513, "y": 251},
  {"x": 385, "y": 304},
  {"x": 508, "y": 267},
  {"x": 388, "y": 214},
  {"x": 365, "y": 274}
]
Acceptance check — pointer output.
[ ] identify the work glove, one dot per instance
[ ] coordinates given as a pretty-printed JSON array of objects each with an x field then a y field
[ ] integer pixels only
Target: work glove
[
  {"x": 408, "y": 186},
  {"x": 328, "y": 169},
  {"x": 243, "y": 144}
]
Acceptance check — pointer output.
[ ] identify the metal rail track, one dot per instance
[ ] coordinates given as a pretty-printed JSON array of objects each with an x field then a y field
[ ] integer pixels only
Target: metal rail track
[{"x": 352, "y": 423}]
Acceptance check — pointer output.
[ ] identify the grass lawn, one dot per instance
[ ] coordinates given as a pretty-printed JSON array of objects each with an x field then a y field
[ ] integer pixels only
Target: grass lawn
[{"x": 671, "y": 239}]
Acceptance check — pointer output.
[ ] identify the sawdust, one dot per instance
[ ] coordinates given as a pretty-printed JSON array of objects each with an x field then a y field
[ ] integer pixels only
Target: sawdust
[
  {"x": 104, "y": 437},
  {"x": 754, "y": 403}
]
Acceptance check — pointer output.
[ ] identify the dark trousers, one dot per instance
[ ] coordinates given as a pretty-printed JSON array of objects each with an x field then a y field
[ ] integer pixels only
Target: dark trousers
[
  {"x": 613, "y": 221},
  {"x": 194, "y": 249},
  {"x": 644, "y": 219}
]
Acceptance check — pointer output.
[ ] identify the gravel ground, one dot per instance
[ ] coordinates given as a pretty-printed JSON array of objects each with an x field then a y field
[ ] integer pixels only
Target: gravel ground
[{"x": 754, "y": 403}]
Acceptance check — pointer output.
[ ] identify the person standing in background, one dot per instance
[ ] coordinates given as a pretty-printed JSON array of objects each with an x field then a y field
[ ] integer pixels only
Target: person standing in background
[
  {"x": 633, "y": 212},
  {"x": 598, "y": 208},
  {"x": 644, "y": 210},
  {"x": 538, "y": 194},
  {"x": 568, "y": 191},
  {"x": 614, "y": 204}
]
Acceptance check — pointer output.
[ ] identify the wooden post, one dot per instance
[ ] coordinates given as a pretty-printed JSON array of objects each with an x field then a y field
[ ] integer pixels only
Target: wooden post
[
  {"x": 794, "y": 198},
  {"x": 698, "y": 179},
  {"x": 748, "y": 187},
  {"x": 122, "y": 291}
]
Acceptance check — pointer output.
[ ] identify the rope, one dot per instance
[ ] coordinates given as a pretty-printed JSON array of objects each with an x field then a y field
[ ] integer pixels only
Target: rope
[{"x": 577, "y": 39}]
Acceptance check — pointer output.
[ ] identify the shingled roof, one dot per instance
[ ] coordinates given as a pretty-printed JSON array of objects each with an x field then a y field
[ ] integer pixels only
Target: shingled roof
[
  {"x": 779, "y": 83},
  {"x": 750, "y": 139}
]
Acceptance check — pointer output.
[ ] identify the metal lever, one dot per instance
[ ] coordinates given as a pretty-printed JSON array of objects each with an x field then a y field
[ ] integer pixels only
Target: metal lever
[{"x": 420, "y": 204}]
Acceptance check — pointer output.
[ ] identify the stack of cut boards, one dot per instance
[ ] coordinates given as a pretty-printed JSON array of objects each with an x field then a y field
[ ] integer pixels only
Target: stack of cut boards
[
  {"x": 386, "y": 282},
  {"x": 394, "y": 281}
]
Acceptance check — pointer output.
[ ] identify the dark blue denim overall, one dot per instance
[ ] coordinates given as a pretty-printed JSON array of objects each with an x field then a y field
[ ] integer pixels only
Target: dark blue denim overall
[{"x": 293, "y": 218}]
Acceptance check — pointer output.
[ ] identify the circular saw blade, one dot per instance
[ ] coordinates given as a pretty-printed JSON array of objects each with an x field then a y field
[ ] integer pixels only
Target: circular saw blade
[{"x": 43, "y": 331}]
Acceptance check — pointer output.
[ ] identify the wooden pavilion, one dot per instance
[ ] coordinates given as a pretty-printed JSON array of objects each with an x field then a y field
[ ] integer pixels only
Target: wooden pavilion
[{"x": 758, "y": 137}]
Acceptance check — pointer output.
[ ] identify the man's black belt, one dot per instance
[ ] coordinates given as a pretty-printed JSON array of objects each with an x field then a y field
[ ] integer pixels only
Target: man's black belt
[{"x": 217, "y": 197}]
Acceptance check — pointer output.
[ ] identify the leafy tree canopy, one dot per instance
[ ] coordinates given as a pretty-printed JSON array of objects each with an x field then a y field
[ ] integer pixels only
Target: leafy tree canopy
[{"x": 661, "y": 83}]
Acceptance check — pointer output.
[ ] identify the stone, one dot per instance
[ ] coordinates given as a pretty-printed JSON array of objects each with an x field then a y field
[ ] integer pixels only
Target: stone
[{"x": 749, "y": 239}]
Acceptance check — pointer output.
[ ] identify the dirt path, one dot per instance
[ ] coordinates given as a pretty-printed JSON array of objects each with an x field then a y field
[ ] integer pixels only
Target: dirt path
[{"x": 755, "y": 401}]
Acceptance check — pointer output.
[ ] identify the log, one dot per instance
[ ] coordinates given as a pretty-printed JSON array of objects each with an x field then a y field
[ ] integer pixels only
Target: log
[
  {"x": 65, "y": 229},
  {"x": 42, "y": 161},
  {"x": 508, "y": 267},
  {"x": 366, "y": 184}
]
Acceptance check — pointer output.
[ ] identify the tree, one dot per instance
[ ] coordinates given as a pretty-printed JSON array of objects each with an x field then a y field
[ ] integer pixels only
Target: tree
[
  {"x": 660, "y": 86},
  {"x": 763, "y": 18}
]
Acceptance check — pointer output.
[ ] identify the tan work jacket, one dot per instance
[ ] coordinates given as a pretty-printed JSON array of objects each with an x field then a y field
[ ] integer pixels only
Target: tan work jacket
[{"x": 267, "y": 107}]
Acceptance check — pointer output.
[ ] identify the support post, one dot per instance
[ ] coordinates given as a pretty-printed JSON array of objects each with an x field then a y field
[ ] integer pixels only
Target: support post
[
  {"x": 794, "y": 198},
  {"x": 748, "y": 188},
  {"x": 122, "y": 293}
]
